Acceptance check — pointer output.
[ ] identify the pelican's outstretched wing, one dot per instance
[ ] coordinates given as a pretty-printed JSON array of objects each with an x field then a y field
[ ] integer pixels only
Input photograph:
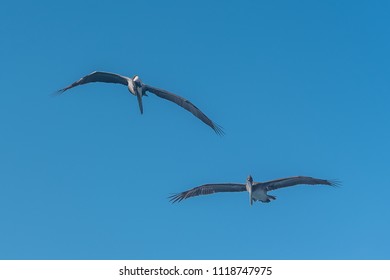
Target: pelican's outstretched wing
[
  {"x": 96, "y": 76},
  {"x": 207, "y": 189},
  {"x": 186, "y": 105},
  {"x": 292, "y": 181}
]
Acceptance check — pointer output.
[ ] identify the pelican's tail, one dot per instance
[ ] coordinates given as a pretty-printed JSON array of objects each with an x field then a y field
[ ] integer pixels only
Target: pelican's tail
[
  {"x": 139, "y": 97},
  {"x": 271, "y": 197}
]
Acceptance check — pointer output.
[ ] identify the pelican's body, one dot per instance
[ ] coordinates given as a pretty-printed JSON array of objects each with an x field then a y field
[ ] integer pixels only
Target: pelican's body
[
  {"x": 258, "y": 191},
  {"x": 139, "y": 89}
]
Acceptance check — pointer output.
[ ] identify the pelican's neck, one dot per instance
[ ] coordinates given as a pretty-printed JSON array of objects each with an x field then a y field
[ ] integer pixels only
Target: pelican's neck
[
  {"x": 249, "y": 183},
  {"x": 249, "y": 189},
  {"x": 249, "y": 186}
]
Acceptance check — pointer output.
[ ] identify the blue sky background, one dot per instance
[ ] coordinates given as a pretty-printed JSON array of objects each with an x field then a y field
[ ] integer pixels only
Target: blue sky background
[{"x": 300, "y": 89}]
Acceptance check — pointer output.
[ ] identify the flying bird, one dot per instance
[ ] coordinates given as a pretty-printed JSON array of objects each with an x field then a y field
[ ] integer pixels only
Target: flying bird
[
  {"x": 139, "y": 89},
  {"x": 257, "y": 190}
]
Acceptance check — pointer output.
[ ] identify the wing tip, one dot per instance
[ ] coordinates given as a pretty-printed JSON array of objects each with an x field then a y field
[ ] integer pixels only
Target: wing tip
[
  {"x": 58, "y": 92},
  {"x": 218, "y": 129},
  {"x": 334, "y": 183},
  {"x": 175, "y": 198}
]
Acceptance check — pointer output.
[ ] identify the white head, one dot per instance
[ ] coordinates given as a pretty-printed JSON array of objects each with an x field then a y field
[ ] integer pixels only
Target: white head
[{"x": 137, "y": 81}]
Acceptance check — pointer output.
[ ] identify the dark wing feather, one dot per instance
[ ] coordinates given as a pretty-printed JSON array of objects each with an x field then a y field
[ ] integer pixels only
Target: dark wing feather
[
  {"x": 182, "y": 102},
  {"x": 292, "y": 181},
  {"x": 207, "y": 189},
  {"x": 103, "y": 77}
]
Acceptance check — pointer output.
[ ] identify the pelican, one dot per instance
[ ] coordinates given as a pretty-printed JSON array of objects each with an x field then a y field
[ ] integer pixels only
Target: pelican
[
  {"x": 139, "y": 89},
  {"x": 257, "y": 190}
]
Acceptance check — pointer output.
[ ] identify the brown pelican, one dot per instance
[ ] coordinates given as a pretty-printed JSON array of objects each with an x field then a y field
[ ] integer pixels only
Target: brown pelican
[
  {"x": 257, "y": 190},
  {"x": 139, "y": 89}
]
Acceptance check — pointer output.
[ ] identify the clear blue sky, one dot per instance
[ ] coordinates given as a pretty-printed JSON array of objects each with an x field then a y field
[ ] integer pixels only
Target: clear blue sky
[{"x": 300, "y": 89}]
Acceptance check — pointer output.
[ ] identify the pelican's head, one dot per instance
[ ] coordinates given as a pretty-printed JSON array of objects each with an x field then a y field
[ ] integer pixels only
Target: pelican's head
[
  {"x": 137, "y": 81},
  {"x": 249, "y": 179}
]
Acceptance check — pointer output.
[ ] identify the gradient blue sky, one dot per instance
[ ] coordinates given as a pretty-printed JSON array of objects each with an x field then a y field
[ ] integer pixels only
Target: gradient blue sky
[{"x": 301, "y": 88}]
